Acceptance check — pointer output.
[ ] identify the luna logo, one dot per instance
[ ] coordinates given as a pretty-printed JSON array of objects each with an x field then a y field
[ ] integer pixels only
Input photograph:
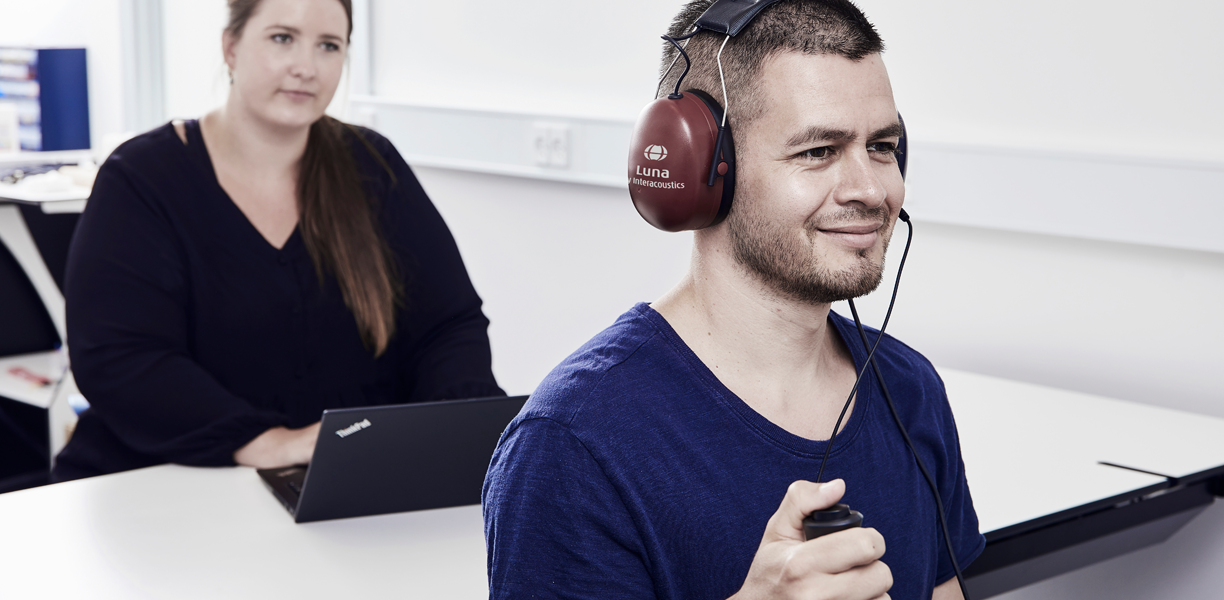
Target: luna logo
[
  {"x": 354, "y": 428},
  {"x": 655, "y": 152},
  {"x": 652, "y": 172}
]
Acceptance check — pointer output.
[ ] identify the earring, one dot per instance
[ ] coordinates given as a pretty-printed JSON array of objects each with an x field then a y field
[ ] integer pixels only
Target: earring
[{"x": 231, "y": 75}]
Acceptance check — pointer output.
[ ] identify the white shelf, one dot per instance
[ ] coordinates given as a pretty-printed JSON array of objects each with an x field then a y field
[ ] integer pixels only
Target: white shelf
[{"x": 52, "y": 365}]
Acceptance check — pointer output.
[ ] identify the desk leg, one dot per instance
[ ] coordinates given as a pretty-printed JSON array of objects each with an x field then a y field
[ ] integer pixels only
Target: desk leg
[
  {"x": 16, "y": 236},
  {"x": 61, "y": 418}
]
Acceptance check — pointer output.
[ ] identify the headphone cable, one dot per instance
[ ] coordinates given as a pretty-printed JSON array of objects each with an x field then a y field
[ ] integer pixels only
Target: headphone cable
[
  {"x": 871, "y": 353},
  {"x": 892, "y": 408},
  {"x": 687, "y": 62}
]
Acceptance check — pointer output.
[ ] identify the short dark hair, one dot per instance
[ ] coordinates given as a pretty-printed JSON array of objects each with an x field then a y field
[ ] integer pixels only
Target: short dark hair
[{"x": 804, "y": 26}]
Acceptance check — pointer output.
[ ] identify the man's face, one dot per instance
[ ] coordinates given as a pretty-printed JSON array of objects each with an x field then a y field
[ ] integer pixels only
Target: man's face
[{"x": 818, "y": 188}]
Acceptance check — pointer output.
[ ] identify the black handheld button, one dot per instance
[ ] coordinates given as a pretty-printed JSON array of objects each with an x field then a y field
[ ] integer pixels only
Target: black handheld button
[{"x": 830, "y": 520}]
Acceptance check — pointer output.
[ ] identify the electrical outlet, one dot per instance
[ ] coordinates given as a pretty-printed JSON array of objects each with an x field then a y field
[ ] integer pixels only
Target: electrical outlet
[
  {"x": 559, "y": 147},
  {"x": 537, "y": 144},
  {"x": 549, "y": 145}
]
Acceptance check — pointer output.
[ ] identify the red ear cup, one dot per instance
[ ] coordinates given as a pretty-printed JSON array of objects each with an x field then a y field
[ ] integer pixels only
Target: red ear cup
[{"x": 669, "y": 164}]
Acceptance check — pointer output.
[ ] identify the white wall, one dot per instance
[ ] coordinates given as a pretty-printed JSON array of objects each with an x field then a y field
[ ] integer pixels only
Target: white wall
[
  {"x": 1120, "y": 78},
  {"x": 554, "y": 262},
  {"x": 1126, "y": 77},
  {"x": 89, "y": 24},
  {"x": 195, "y": 71},
  {"x": 551, "y": 56}
]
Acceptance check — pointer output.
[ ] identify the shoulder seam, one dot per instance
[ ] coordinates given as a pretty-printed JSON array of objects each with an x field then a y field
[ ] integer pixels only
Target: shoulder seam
[
  {"x": 619, "y": 494},
  {"x": 606, "y": 371}
]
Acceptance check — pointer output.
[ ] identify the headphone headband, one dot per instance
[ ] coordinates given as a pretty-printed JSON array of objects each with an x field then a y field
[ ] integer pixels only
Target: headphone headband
[{"x": 731, "y": 16}]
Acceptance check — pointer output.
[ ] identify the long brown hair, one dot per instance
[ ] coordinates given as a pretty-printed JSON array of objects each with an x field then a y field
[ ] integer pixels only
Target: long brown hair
[{"x": 338, "y": 221}]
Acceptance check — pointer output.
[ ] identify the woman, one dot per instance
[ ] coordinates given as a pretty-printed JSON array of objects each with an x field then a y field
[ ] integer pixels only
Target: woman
[{"x": 234, "y": 277}]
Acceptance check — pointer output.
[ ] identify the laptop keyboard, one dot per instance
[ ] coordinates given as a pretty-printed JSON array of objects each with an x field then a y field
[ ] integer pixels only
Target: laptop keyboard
[{"x": 295, "y": 486}]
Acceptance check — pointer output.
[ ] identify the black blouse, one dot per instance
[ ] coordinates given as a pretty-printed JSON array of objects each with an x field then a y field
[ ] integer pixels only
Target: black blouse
[{"x": 190, "y": 334}]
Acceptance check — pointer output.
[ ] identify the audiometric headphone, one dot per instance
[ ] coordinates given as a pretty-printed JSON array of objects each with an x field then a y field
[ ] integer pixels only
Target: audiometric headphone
[{"x": 682, "y": 154}]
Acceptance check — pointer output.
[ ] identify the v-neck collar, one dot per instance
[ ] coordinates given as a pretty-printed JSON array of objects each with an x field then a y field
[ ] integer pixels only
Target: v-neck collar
[{"x": 195, "y": 147}]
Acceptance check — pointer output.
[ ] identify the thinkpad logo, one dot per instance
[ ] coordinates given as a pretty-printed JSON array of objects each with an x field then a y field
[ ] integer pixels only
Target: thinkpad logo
[
  {"x": 656, "y": 153},
  {"x": 354, "y": 428}
]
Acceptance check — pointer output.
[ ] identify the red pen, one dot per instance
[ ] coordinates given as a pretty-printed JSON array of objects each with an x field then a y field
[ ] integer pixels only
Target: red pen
[{"x": 30, "y": 376}]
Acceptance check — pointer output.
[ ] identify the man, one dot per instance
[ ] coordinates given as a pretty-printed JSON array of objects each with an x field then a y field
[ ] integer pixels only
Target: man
[{"x": 670, "y": 456}]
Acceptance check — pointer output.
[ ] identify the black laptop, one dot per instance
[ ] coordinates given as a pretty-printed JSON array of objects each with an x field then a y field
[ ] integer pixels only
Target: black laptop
[{"x": 383, "y": 459}]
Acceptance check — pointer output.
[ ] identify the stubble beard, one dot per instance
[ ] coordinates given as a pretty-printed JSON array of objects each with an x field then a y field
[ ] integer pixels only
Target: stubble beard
[{"x": 790, "y": 268}]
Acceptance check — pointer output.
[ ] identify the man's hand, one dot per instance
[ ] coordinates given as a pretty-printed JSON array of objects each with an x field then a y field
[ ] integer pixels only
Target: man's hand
[
  {"x": 842, "y": 565},
  {"x": 279, "y": 447}
]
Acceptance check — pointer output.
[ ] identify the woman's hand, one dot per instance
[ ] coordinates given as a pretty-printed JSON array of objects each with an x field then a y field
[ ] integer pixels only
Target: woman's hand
[{"x": 279, "y": 447}]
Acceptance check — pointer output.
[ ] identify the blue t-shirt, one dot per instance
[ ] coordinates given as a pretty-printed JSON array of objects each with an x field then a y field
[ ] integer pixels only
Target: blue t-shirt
[{"x": 632, "y": 472}]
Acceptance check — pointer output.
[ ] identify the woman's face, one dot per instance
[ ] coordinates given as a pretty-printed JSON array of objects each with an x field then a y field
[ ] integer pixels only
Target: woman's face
[{"x": 288, "y": 62}]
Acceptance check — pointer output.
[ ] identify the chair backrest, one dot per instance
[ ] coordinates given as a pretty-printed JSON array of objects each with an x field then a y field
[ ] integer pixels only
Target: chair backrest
[{"x": 25, "y": 325}]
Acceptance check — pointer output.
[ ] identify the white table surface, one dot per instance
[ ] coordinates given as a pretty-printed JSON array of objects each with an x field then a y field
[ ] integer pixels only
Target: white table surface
[
  {"x": 1025, "y": 458},
  {"x": 1141, "y": 436},
  {"x": 72, "y": 200},
  {"x": 179, "y": 532},
  {"x": 20, "y": 193},
  {"x": 1032, "y": 450}
]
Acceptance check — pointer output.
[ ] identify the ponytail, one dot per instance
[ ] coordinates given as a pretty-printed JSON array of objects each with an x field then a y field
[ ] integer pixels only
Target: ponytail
[{"x": 340, "y": 227}]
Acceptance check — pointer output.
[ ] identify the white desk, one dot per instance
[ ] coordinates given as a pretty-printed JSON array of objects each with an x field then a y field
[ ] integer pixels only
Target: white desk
[
  {"x": 1045, "y": 501},
  {"x": 177, "y": 532},
  {"x": 1088, "y": 428},
  {"x": 174, "y": 532},
  {"x": 71, "y": 200},
  {"x": 1022, "y": 442}
]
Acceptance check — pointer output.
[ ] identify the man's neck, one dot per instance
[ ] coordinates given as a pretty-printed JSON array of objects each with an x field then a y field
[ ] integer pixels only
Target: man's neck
[{"x": 779, "y": 355}]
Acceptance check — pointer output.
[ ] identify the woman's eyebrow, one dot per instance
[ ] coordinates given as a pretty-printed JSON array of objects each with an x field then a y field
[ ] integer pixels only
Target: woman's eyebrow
[{"x": 296, "y": 31}]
